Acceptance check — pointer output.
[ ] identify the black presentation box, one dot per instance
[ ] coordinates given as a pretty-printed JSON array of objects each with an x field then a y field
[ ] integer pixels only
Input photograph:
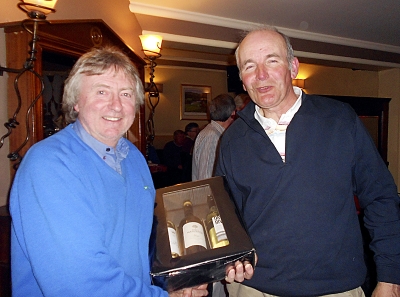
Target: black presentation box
[{"x": 205, "y": 266}]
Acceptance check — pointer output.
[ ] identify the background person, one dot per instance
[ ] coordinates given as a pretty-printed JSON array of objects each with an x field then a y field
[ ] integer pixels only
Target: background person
[
  {"x": 241, "y": 101},
  {"x": 174, "y": 158},
  {"x": 191, "y": 131},
  {"x": 222, "y": 112},
  {"x": 293, "y": 163}
]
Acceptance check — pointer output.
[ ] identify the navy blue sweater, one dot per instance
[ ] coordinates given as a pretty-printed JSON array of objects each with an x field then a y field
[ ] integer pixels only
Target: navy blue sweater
[{"x": 301, "y": 214}]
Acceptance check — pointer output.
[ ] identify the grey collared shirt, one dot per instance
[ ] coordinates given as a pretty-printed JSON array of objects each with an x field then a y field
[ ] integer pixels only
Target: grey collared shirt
[{"x": 113, "y": 157}]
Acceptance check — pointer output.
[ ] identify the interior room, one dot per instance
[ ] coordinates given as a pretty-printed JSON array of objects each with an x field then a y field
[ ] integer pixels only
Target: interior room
[{"x": 346, "y": 51}]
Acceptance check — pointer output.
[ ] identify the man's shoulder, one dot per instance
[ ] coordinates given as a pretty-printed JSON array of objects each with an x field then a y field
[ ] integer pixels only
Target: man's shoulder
[
  {"x": 207, "y": 130},
  {"x": 169, "y": 144},
  {"x": 62, "y": 139},
  {"x": 326, "y": 107}
]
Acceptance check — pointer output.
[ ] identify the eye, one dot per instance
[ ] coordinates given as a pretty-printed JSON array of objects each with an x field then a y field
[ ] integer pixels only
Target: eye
[
  {"x": 272, "y": 61},
  {"x": 248, "y": 67},
  {"x": 101, "y": 92},
  {"x": 126, "y": 94}
]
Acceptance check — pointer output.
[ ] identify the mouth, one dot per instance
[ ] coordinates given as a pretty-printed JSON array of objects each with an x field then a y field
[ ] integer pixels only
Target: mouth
[
  {"x": 264, "y": 89},
  {"x": 112, "y": 119}
]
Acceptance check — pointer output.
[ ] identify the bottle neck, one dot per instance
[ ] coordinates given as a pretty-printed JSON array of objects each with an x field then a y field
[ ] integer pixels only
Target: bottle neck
[
  {"x": 213, "y": 208},
  {"x": 211, "y": 202},
  {"x": 188, "y": 209}
]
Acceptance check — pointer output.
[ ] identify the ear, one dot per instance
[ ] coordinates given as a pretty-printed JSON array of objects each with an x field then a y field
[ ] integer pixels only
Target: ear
[
  {"x": 244, "y": 87},
  {"x": 76, "y": 107},
  {"x": 295, "y": 68}
]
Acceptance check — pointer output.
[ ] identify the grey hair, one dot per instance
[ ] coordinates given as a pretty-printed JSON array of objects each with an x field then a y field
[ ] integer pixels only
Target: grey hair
[
  {"x": 96, "y": 62},
  {"x": 289, "y": 48},
  {"x": 221, "y": 107}
]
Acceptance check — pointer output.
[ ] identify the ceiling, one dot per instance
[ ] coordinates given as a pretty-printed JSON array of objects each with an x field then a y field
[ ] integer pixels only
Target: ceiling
[{"x": 358, "y": 34}]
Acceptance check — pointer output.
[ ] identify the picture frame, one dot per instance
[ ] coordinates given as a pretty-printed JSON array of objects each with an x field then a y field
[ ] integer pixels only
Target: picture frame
[{"x": 195, "y": 100}]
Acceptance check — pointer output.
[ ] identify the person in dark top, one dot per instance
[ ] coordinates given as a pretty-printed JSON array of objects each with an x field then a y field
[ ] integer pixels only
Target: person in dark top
[
  {"x": 293, "y": 163},
  {"x": 191, "y": 131},
  {"x": 174, "y": 157}
]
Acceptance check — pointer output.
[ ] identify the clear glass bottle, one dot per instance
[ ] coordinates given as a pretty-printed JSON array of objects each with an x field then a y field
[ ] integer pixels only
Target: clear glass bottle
[
  {"x": 192, "y": 229},
  {"x": 214, "y": 225},
  {"x": 173, "y": 240}
]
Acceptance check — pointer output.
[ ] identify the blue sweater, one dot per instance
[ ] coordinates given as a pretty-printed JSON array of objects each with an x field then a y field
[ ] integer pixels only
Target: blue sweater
[
  {"x": 78, "y": 227},
  {"x": 301, "y": 214}
]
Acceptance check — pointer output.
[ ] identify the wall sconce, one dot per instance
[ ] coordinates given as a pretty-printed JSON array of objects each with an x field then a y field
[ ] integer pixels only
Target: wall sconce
[
  {"x": 37, "y": 11},
  {"x": 151, "y": 45},
  {"x": 299, "y": 83}
]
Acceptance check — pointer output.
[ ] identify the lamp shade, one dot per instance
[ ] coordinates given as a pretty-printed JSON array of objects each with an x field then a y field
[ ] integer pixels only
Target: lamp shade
[
  {"x": 151, "y": 44},
  {"x": 298, "y": 82},
  {"x": 44, "y": 6}
]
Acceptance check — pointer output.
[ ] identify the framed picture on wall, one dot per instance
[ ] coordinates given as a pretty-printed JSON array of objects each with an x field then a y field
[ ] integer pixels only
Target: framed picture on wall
[{"x": 194, "y": 102}]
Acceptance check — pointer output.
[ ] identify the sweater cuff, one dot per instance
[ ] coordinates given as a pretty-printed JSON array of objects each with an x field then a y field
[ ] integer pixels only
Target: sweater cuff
[{"x": 389, "y": 275}]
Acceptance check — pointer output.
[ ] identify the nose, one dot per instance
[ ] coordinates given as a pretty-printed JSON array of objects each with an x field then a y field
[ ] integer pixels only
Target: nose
[
  {"x": 115, "y": 103},
  {"x": 262, "y": 72}
]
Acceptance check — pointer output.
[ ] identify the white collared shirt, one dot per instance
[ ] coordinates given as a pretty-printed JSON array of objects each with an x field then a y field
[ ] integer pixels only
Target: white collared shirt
[{"x": 276, "y": 131}]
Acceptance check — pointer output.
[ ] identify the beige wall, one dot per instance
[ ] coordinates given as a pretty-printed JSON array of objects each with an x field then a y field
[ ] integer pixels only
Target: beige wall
[
  {"x": 339, "y": 81},
  {"x": 167, "y": 115}
]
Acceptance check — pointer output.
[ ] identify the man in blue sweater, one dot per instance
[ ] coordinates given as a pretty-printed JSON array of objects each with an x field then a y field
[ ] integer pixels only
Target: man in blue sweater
[
  {"x": 293, "y": 163},
  {"x": 82, "y": 200}
]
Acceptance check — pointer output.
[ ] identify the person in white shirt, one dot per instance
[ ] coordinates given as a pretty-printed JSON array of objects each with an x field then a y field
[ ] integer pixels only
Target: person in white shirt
[{"x": 222, "y": 114}]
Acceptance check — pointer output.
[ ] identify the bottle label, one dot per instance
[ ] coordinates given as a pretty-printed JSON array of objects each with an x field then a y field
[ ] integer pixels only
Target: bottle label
[
  {"x": 193, "y": 234},
  {"x": 173, "y": 241},
  {"x": 219, "y": 228}
]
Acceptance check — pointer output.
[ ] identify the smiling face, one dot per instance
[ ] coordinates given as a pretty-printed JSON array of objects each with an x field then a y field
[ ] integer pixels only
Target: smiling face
[
  {"x": 106, "y": 105},
  {"x": 265, "y": 71}
]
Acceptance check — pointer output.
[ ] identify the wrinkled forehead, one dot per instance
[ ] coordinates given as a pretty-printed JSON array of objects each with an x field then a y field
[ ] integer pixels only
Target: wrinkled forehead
[
  {"x": 261, "y": 40},
  {"x": 112, "y": 71}
]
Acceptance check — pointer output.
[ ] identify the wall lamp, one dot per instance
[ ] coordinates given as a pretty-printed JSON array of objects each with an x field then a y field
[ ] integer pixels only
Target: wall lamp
[
  {"x": 37, "y": 11},
  {"x": 298, "y": 82},
  {"x": 151, "y": 45}
]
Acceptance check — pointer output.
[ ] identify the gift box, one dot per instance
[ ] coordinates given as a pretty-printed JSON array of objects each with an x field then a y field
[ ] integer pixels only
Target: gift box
[{"x": 199, "y": 234}]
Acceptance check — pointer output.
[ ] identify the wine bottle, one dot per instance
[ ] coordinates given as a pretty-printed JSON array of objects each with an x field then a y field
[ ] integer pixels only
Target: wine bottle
[
  {"x": 173, "y": 240},
  {"x": 192, "y": 231},
  {"x": 214, "y": 225}
]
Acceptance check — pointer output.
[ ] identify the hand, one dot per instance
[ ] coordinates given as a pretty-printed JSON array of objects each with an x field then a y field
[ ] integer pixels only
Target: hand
[
  {"x": 191, "y": 292},
  {"x": 240, "y": 271},
  {"x": 386, "y": 290}
]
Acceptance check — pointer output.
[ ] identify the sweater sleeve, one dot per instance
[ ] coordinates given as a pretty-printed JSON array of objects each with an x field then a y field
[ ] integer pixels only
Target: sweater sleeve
[
  {"x": 377, "y": 193},
  {"x": 58, "y": 241}
]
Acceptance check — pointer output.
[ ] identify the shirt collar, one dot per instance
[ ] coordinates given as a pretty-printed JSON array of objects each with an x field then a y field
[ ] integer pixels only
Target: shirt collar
[
  {"x": 285, "y": 118},
  {"x": 217, "y": 126},
  {"x": 111, "y": 156}
]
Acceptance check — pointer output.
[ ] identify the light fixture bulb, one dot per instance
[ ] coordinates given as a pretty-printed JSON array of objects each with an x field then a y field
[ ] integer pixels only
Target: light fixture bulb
[
  {"x": 151, "y": 44},
  {"x": 44, "y": 6}
]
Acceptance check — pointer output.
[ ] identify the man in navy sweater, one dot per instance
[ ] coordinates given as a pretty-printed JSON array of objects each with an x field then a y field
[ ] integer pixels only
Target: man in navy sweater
[{"x": 293, "y": 163}]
